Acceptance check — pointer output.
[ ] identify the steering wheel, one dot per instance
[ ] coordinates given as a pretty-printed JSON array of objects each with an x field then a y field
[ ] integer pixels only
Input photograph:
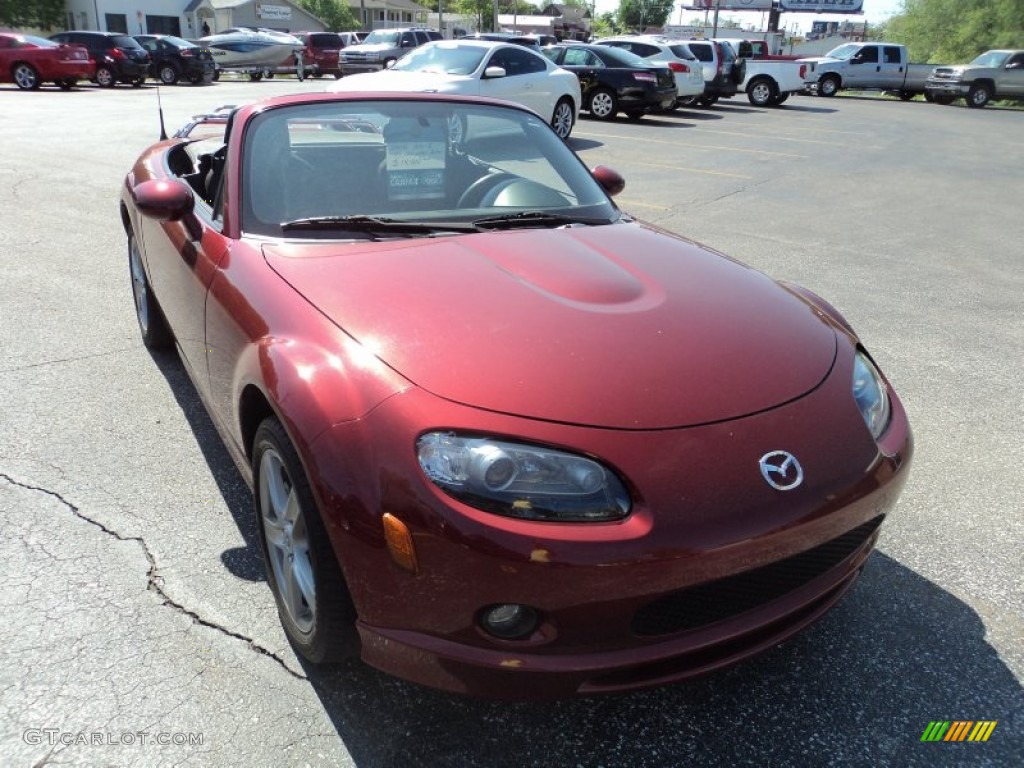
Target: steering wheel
[{"x": 474, "y": 195}]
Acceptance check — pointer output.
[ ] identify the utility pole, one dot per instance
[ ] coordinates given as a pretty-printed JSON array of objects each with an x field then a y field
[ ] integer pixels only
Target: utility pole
[{"x": 718, "y": 6}]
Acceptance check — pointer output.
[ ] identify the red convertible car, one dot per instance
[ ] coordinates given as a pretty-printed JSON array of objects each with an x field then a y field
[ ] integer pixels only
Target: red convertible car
[
  {"x": 29, "y": 61},
  {"x": 504, "y": 439}
]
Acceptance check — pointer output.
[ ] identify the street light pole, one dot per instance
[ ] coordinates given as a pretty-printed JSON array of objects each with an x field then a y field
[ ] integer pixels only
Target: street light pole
[{"x": 714, "y": 30}]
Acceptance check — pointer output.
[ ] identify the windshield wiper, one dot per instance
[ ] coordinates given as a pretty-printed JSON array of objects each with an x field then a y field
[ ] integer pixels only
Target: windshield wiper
[
  {"x": 375, "y": 224},
  {"x": 534, "y": 219}
]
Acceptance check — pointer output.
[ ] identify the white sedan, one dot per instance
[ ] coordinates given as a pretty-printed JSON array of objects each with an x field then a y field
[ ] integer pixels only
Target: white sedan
[{"x": 481, "y": 68}]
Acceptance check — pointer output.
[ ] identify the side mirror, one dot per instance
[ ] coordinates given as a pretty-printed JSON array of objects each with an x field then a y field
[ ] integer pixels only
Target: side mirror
[
  {"x": 610, "y": 180},
  {"x": 492, "y": 72},
  {"x": 164, "y": 200},
  {"x": 168, "y": 201}
]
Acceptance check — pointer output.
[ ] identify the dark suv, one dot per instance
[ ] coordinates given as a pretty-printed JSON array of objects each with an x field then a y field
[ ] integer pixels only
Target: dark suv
[
  {"x": 172, "y": 58},
  {"x": 119, "y": 58}
]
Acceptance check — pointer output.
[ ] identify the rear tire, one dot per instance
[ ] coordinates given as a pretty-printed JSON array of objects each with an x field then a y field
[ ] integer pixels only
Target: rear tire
[
  {"x": 943, "y": 98},
  {"x": 906, "y": 95},
  {"x": 313, "y": 601},
  {"x": 761, "y": 92},
  {"x": 634, "y": 114},
  {"x": 780, "y": 99},
  {"x": 707, "y": 101},
  {"x": 105, "y": 77},
  {"x": 562, "y": 119}
]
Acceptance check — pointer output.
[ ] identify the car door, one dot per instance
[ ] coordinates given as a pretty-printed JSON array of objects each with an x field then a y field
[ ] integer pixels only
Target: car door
[
  {"x": 1012, "y": 79},
  {"x": 892, "y": 69},
  {"x": 864, "y": 68},
  {"x": 526, "y": 79},
  {"x": 586, "y": 66},
  {"x": 182, "y": 261}
]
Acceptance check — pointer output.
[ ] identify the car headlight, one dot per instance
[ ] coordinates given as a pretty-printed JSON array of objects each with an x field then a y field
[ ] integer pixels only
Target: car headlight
[
  {"x": 523, "y": 481},
  {"x": 870, "y": 393}
]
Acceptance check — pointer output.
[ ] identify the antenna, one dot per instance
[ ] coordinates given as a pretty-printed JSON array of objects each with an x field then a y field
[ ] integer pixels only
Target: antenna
[{"x": 160, "y": 109}]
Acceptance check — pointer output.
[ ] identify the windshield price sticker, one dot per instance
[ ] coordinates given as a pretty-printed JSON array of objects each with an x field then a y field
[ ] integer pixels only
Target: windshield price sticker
[{"x": 416, "y": 169}]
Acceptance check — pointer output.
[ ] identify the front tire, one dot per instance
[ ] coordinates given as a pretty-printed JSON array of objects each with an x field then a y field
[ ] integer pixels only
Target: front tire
[
  {"x": 978, "y": 96},
  {"x": 169, "y": 74},
  {"x": 562, "y": 119},
  {"x": 312, "y": 600},
  {"x": 828, "y": 86},
  {"x": 152, "y": 325},
  {"x": 761, "y": 92},
  {"x": 603, "y": 104},
  {"x": 26, "y": 77}
]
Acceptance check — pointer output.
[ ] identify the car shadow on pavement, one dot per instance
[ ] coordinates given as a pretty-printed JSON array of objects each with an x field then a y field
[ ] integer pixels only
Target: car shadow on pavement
[
  {"x": 860, "y": 687},
  {"x": 243, "y": 562}
]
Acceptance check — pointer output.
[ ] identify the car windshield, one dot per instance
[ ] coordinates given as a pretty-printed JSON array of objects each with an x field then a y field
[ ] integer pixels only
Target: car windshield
[
  {"x": 402, "y": 167},
  {"x": 382, "y": 38},
  {"x": 993, "y": 59},
  {"x": 443, "y": 57},
  {"x": 843, "y": 52}
]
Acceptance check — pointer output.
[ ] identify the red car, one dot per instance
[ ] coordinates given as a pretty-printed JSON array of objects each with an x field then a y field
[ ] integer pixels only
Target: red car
[
  {"x": 503, "y": 438},
  {"x": 29, "y": 61}
]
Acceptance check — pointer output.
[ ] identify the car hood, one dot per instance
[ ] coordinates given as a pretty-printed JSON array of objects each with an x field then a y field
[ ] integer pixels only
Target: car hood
[
  {"x": 391, "y": 80},
  {"x": 616, "y": 326}
]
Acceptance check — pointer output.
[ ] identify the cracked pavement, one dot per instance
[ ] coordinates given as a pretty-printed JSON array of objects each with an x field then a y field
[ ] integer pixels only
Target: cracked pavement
[{"x": 134, "y": 603}]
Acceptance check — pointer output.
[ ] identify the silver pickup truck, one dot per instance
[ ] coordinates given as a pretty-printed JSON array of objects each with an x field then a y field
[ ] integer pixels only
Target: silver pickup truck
[
  {"x": 993, "y": 75},
  {"x": 869, "y": 66}
]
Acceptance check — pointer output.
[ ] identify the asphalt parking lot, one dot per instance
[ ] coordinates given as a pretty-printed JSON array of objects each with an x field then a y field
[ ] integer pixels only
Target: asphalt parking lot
[{"x": 136, "y": 625}]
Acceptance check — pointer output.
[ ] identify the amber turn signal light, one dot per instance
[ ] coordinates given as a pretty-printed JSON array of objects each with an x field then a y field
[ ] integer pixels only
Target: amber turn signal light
[{"x": 399, "y": 540}]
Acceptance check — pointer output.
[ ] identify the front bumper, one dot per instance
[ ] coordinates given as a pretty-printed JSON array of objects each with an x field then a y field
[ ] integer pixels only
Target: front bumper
[
  {"x": 359, "y": 67},
  {"x": 711, "y": 566},
  {"x": 947, "y": 87}
]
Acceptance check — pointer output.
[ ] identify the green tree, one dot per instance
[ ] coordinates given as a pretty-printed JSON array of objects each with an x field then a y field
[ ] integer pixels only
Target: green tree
[
  {"x": 640, "y": 14},
  {"x": 42, "y": 14},
  {"x": 336, "y": 15},
  {"x": 951, "y": 31},
  {"x": 481, "y": 10}
]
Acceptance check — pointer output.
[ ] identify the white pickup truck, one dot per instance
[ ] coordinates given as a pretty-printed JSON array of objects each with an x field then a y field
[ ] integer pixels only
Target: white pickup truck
[
  {"x": 769, "y": 82},
  {"x": 869, "y": 66}
]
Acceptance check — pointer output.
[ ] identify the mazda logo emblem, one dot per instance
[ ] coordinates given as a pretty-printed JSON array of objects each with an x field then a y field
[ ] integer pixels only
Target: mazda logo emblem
[{"x": 781, "y": 470}]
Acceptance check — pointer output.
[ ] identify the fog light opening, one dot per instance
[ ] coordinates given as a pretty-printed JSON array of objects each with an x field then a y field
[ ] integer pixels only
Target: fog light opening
[{"x": 510, "y": 621}]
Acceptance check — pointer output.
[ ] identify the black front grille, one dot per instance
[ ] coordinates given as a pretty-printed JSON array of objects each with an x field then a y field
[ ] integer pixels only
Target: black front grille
[{"x": 733, "y": 595}]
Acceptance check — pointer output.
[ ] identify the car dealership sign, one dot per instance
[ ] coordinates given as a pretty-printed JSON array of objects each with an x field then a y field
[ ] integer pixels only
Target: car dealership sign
[
  {"x": 822, "y": 6},
  {"x": 732, "y": 5},
  {"x": 274, "y": 12}
]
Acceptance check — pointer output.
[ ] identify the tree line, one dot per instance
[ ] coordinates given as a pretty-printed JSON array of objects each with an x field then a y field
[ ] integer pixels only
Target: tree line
[{"x": 938, "y": 31}]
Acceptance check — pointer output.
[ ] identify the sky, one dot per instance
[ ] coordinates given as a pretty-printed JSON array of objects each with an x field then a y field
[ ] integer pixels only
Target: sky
[{"x": 875, "y": 11}]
